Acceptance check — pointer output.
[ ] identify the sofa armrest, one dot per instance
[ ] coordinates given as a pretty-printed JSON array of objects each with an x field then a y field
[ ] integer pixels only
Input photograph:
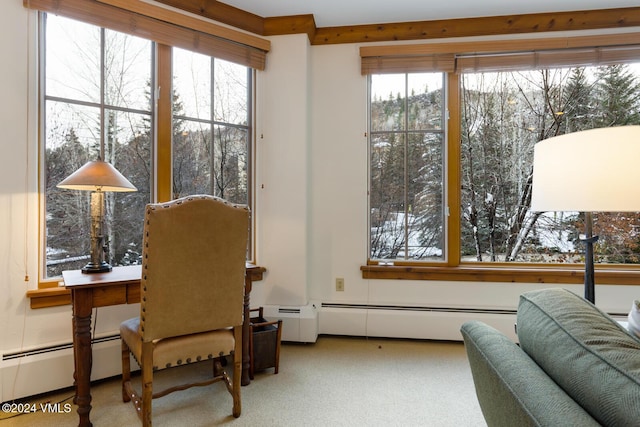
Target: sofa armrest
[{"x": 512, "y": 389}]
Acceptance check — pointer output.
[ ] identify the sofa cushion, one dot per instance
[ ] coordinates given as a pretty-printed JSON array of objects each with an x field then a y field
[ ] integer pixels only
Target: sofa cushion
[
  {"x": 512, "y": 390},
  {"x": 585, "y": 351}
]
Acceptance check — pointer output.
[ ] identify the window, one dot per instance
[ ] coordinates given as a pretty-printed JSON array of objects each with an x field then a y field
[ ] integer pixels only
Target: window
[
  {"x": 211, "y": 131},
  {"x": 97, "y": 104},
  {"x": 406, "y": 166},
  {"x": 100, "y": 102},
  {"x": 499, "y": 104},
  {"x": 504, "y": 114}
]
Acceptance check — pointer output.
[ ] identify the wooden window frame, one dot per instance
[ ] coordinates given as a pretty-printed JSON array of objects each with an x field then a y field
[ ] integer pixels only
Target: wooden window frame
[{"x": 403, "y": 58}]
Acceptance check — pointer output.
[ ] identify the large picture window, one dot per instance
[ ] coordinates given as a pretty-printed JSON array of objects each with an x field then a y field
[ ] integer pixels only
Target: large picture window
[
  {"x": 498, "y": 106},
  {"x": 504, "y": 114},
  {"x": 101, "y": 100}
]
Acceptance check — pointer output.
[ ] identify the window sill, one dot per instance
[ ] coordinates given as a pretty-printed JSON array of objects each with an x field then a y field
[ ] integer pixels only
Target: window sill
[
  {"x": 506, "y": 274},
  {"x": 49, "y": 297}
]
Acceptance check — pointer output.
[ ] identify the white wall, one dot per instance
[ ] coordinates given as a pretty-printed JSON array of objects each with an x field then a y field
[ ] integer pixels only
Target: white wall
[
  {"x": 17, "y": 196},
  {"x": 282, "y": 183},
  {"x": 338, "y": 222},
  {"x": 310, "y": 205}
]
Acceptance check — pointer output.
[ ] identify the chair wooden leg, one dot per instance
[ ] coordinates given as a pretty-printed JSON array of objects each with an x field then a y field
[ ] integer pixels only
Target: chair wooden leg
[
  {"x": 126, "y": 371},
  {"x": 237, "y": 372},
  {"x": 147, "y": 383}
]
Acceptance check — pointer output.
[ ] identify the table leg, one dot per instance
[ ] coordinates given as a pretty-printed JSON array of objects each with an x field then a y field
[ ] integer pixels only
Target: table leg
[
  {"x": 246, "y": 330},
  {"x": 82, "y": 351},
  {"x": 75, "y": 354}
]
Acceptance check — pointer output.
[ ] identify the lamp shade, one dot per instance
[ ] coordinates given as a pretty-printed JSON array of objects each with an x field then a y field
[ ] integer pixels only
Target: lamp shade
[
  {"x": 596, "y": 170},
  {"x": 97, "y": 175}
]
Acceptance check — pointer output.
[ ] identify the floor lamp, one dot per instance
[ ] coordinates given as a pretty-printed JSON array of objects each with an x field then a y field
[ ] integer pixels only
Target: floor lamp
[
  {"x": 97, "y": 176},
  {"x": 596, "y": 170}
]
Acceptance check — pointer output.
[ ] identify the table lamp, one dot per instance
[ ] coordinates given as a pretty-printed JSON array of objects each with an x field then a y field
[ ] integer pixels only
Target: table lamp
[
  {"x": 595, "y": 170},
  {"x": 97, "y": 176}
]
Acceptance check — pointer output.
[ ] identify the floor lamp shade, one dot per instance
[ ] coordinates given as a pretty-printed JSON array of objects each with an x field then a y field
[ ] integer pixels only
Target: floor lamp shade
[
  {"x": 596, "y": 170},
  {"x": 97, "y": 176}
]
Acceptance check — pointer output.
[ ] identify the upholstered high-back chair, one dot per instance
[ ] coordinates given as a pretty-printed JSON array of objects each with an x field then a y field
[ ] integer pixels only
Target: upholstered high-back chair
[{"x": 192, "y": 291}]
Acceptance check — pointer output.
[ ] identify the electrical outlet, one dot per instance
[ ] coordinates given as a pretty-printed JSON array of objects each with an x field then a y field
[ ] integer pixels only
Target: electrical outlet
[{"x": 339, "y": 284}]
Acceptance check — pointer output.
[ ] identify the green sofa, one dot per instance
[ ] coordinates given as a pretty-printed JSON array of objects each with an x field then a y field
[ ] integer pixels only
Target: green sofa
[{"x": 575, "y": 366}]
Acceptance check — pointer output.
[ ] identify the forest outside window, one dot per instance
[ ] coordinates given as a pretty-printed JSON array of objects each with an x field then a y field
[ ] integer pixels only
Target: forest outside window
[
  {"x": 499, "y": 106},
  {"x": 407, "y": 166},
  {"x": 211, "y": 131},
  {"x": 503, "y": 115},
  {"x": 99, "y": 102}
]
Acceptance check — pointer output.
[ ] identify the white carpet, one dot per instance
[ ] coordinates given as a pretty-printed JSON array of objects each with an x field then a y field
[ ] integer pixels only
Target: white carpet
[{"x": 334, "y": 382}]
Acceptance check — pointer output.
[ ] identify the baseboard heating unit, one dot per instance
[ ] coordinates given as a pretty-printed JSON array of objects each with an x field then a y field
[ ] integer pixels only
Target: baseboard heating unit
[
  {"x": 299, "y": 324},
  {"x": 413, "y": 322},
  {"x": 45, "y": 368}
]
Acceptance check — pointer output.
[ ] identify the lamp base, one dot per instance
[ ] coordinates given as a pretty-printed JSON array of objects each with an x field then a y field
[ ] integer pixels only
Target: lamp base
[{"x": 91, "y": 268}]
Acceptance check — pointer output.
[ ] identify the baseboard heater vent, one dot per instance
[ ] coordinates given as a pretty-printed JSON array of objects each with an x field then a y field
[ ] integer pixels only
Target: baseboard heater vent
[
  {"x": 419, "y": 308},
  {"x": 289, "y": 310},
  {"x": 299, "y": 323},
  {"x": 52, "y": 348}
]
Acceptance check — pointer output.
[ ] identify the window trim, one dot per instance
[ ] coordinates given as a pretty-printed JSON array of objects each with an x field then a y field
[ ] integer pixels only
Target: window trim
[
  {"x": 502, "y": 273},
  {"x": 452, "y": 269}
]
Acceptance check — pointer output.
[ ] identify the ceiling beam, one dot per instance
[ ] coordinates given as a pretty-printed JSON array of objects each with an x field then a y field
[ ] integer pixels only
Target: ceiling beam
[
  {"x": 220, "y": 12},
  {"x": 419, "y": 30},
  {"x": 298, "y": 24},
  {"x": 494, "y": 25}
]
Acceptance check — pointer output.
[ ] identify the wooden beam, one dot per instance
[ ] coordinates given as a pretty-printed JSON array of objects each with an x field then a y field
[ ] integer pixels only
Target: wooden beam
[
  {"x": 495, "y": 25},
  {"x": 298, "y": 24},
  {"x": 220, "y": 12},
  {"x": 418, "y": 30}
]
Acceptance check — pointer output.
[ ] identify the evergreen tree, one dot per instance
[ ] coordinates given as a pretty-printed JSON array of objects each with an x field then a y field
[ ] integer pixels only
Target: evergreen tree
[
  {"x": 580, "y": 109},
  {"x": 618, "y": 99},
  {"x": 618, "y": 96}
]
